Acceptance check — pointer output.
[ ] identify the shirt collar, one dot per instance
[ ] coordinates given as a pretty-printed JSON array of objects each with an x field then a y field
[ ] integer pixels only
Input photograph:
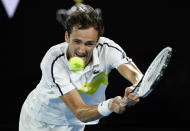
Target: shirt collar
[{"x": 95, "y": 57}]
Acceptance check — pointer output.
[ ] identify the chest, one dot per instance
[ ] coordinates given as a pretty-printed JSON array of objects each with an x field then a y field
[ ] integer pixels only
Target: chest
[{"x": 89, "y": 82}]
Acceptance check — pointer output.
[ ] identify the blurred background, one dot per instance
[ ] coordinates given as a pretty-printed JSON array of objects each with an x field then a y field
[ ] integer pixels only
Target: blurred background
[{"x": 142, "y": 29}]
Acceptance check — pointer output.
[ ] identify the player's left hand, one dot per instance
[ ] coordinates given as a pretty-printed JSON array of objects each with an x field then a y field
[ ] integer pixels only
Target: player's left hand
[{"x": 130, "y": 99}]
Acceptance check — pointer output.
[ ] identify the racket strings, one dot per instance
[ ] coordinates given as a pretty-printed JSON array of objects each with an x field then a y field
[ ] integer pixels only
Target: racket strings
[{"x": 154, "y": 73}]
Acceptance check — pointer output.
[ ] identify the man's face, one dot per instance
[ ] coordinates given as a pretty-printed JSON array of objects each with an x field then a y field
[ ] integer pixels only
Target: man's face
[{"x": 81, "y": 43}]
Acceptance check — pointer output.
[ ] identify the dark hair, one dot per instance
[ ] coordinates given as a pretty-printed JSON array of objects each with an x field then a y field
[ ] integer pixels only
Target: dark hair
[{"x": 84, "y": 17}]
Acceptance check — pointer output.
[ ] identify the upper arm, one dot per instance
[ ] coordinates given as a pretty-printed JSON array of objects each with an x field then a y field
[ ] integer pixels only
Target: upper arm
[
  {"x": 122, "y": 63},
  {"x": 83, "y": 112},
  {"x": 130, "y": 72}
]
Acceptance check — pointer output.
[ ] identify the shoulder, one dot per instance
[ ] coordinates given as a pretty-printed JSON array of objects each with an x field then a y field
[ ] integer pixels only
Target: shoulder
[
  {"x": 104, "y": 40},
  {"x": 57, "y": 50},
  {"x": 54, "y": 53},
  {"x": 108, "y": 44}
]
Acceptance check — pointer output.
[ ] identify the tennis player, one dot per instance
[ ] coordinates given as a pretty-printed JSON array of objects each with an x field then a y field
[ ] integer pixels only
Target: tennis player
[{"x": 67, "y": 100}]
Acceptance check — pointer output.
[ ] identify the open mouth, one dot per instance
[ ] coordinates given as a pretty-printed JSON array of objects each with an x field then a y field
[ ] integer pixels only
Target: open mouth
[{"x": 81, "y": 56}]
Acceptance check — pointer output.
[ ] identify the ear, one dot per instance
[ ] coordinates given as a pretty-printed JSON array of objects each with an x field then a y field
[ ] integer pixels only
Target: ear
[{"x": 66, "y": 36}]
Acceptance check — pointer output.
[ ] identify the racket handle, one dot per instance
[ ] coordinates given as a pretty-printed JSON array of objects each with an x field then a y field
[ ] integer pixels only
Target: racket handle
[
  {"x": 124, "y": 105},
  {"x": 133, "y": 93}
]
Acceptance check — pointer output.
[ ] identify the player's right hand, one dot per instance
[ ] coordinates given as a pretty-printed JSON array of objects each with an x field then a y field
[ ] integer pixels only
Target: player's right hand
[
  {"x": 130, "y": 99},
  {"x": 116, "y": 105}
]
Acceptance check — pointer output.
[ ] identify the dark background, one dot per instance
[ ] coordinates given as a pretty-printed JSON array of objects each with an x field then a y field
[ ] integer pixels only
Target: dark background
[{"x": 142, "y": 29}]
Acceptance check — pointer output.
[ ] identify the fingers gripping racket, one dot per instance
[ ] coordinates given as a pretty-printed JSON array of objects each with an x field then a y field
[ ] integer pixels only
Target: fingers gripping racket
[{"x": 153, "y": 74}]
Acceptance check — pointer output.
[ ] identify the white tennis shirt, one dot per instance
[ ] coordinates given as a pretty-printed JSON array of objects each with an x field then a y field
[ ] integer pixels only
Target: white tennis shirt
[{"x": 44, "y": 101}]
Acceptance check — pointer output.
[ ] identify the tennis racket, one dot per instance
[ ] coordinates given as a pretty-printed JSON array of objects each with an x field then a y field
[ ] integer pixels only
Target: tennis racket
[{"x": 153, "y": 74}]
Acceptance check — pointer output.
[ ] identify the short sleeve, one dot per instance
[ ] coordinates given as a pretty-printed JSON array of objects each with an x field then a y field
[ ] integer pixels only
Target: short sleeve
[
  {"x": 56, "y": 76},
  {"x": 116, "y": 55}
]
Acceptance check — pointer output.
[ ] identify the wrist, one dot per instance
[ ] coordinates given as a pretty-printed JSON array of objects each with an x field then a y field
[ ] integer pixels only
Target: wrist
[{"x": 103, "y": 108}]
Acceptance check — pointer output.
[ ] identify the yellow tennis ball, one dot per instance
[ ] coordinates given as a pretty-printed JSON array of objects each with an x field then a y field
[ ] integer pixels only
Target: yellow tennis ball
[
  {"x": 78, "y": 1},
  {"x": 76, "y": 63}
]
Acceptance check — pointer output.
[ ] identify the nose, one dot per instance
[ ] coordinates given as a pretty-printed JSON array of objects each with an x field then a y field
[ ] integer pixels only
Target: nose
[{"x": 82, "y": 49}]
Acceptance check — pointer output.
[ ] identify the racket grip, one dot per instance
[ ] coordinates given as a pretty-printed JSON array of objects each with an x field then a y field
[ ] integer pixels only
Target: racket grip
[
  {"x": 124, "y": 105},
  {"x": 133, "y": 93}
]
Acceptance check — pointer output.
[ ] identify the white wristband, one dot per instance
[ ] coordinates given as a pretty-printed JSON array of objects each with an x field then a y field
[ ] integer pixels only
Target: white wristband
[{"x": 103, "y": 108}]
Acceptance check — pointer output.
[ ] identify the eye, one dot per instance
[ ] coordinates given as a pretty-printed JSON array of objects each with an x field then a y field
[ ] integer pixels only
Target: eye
[
  {"x": 90, "y": 44},
  {"x": 77, "y": 41}
]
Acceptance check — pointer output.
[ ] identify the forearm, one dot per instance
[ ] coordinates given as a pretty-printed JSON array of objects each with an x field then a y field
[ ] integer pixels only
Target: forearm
[
  {"x": 130, "y": 72},
  {"x": 82, "y": 111},
  {"x": 88, "y": 113},
  {"x": 93, "y": 112},
  {"x": 136, "y": 73}
]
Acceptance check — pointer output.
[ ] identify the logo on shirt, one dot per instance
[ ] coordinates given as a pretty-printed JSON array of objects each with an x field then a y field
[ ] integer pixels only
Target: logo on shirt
[
  {"x": 95, "y": 72},
  {"x": 123, "y": 55}
]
